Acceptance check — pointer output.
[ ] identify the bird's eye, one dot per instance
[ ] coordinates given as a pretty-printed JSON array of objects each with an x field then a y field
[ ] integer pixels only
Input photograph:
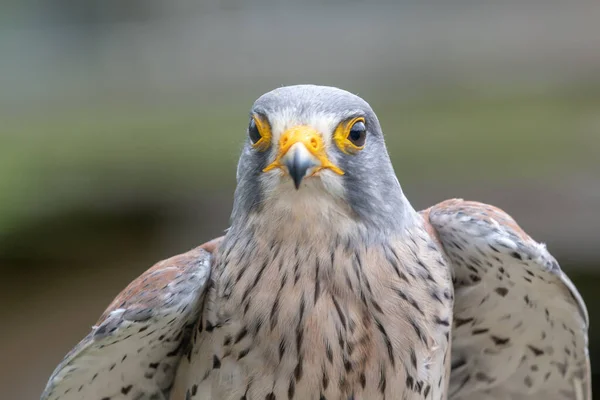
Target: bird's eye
[
  {"x": 253, "y": 132},
  {"x": 259, "y": 132},
  {"x": 358, "y": 134},
  {"x": 351, "y": 135}
]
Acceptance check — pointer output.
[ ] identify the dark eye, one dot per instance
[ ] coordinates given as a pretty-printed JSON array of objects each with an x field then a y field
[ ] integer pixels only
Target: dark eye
[
  {"x": 358, "y": 134},
  {"x": 253, "y": 132}
]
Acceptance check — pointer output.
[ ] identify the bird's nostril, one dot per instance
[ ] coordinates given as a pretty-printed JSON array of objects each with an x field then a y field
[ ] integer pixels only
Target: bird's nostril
[
  {"x": 285, "y": 140},
  {"x": 314, "y": 143}
]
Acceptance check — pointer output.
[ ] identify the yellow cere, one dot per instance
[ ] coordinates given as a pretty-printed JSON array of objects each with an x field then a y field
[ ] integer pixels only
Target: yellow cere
[
  {"x": 340, "y": 136},
  {"x": 264, "y": 128},
  {"x": 311, "y": 139}
]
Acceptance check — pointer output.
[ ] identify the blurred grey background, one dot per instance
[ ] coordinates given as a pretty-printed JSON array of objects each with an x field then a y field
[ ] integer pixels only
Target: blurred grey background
[{"x": 121, "y": 122}]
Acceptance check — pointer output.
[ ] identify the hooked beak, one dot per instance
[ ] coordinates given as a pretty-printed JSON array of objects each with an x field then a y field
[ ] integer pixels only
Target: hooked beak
[
  {"x": 302, "y": 153},
  {"x": 298, "y": 161}
]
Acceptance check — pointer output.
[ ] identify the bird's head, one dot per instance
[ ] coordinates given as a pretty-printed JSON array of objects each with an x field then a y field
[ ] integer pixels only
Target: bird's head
[{"x": 316, "y": 150}]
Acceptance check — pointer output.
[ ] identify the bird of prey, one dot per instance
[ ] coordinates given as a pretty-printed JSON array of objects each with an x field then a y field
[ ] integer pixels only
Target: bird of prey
[{"x": 329, "y": 285}]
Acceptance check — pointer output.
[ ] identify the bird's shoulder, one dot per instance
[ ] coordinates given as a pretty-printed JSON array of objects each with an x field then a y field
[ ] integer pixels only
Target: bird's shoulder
[
  {"x": 137, "y": 343},
  {"x": 471, "y": 215},
  {"x": 468, "y": 230},
  {"x": 166, "y": 283},
  {"x": 518, "y": 318}
]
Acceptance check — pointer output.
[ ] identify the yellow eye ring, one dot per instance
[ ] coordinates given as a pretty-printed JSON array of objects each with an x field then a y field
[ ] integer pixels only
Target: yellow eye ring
[
  {"x": 350, "y": 135},
  {"x": 259, "y": 132}
]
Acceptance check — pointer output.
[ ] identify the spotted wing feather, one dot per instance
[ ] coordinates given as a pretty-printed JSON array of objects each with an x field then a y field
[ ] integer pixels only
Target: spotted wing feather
[
  {"x": 520, "y": 325},
  {"x": 134, "y": 350}
]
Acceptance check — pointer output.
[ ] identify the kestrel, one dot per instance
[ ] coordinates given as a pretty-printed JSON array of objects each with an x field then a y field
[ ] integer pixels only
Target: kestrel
[{"x": 329, "y": 285}]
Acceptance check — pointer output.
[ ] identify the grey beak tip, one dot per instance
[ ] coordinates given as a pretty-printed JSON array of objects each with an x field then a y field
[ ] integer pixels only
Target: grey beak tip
[
  {"x": 297, "y": 183},
  {"x": 297, "y": 169},
  {"x": 297, "y": 175}
]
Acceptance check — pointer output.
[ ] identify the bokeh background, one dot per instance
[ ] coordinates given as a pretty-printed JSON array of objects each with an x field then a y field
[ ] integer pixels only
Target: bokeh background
[{"x": 121, "y": 122}]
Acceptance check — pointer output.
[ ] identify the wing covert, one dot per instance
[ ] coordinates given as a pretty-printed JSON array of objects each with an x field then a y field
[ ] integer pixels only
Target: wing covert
[
  {"x": 520, "y": 325},
  {"x": 134, "y": 349}
]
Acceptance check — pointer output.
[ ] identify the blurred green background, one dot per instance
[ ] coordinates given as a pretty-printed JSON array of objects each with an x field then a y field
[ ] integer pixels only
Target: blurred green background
[{"x": 121, "y": 122}]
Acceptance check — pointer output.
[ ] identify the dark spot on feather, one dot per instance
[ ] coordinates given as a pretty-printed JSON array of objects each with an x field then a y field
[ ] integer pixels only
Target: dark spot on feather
[
  {"x": 413, "y": 357},
  {"x": 281, "y": 349},
  {"x": 435, "y": 296},
  {"x": 256, "y": 279},
  {"x": 209, "y": 326},
  {"x": 176, "y": 350},
  {"x": 339, "y": 312},
  {"x": 481, "y": 377},
  {"x": 299, "y": 335},
  {"x": 291, "y": 389},
  {"x": 376, "y": 306},
  {"x": 325, "y": 380},
  {"x": 317, "y": 282},
  {"x": 302, "y": 306},
  {"x": 472, "y": 268},
  {"x": 458, "y": 363},
  {"x": 502, "y": 291},
  {"x": 243, "y": 354},
  {"x": 347, "y": 365},
  {"x": 418, "y": 386},
  {"x": 387, "y": 341},
  {"x": 382, "y": 381},
  {"x": 499, "y": 341},
  {"x": 537, "y": 352},
  {"x": 242, "y": 334},
  {"x": 418, "y": 330},
  {"x": 410, "y": 300},
  {"x": 426, "y": 391},
  {"x": 298, "y": 369}
]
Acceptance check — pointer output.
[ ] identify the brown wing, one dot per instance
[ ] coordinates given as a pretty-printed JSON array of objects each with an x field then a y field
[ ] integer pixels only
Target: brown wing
[
  {"x": 134, "y": 349},
  {"x": 520, "y": 326}
]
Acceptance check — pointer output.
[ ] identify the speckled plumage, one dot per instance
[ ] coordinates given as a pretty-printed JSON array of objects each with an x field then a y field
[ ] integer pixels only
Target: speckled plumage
[
  {"x": 340, "y": 290},
  {"x": 324, "y": 316}
]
